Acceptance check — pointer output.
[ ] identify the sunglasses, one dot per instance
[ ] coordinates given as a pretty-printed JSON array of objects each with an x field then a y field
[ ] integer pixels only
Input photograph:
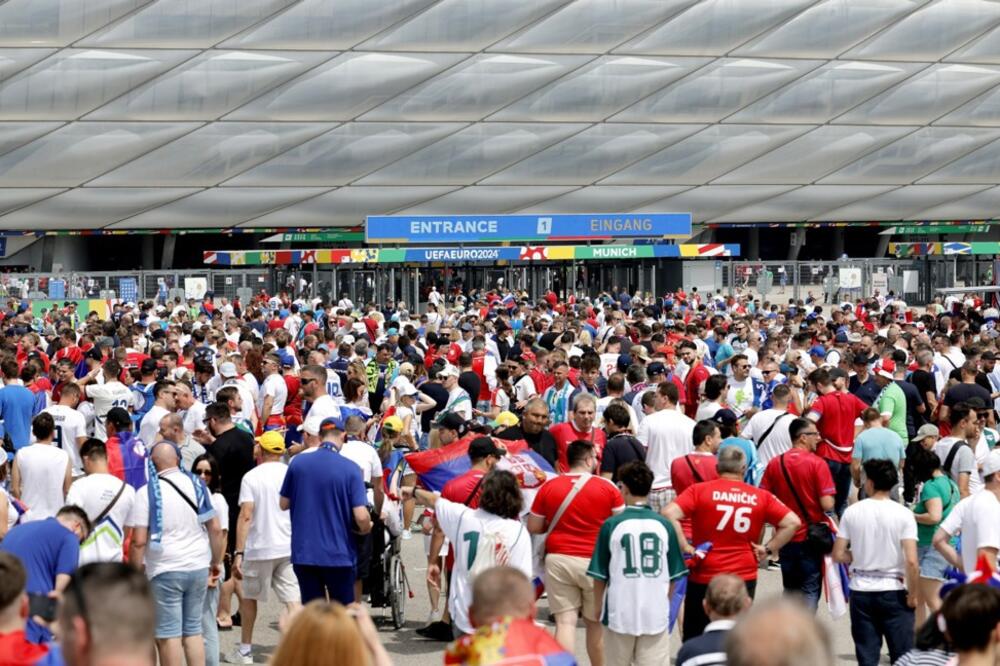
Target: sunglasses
[
  {"x": 307, "y": 380},
  {"x": 203, "y": 472}
]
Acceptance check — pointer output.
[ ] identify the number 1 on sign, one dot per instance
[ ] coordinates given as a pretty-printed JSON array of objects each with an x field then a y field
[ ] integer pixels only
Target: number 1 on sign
[{"x": 740, "y": 518}]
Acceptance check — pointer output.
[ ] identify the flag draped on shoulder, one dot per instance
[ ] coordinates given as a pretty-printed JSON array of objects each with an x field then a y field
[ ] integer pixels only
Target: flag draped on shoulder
[{"x": 436, "y": 467}]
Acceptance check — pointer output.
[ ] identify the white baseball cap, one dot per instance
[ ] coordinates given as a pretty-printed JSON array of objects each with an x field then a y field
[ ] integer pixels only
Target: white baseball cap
[{"x": 992, "y": 463}]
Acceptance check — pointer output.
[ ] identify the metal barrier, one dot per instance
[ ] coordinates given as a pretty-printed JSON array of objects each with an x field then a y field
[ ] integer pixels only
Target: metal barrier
[{"x": 134, "y": 285}]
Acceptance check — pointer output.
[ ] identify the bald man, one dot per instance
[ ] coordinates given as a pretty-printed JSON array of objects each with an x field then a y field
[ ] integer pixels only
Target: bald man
[
  {"x": 503, "y": 604},
  {"x": 793, "y": 637},
  {"x": 725, "y": 598}
]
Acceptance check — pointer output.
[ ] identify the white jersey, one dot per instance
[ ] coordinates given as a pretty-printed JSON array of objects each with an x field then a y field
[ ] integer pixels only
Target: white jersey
[
  {"x": 247, "y": 397},
  {"x": 667, "y": 434},
  {"x": 778, "y": 438},
  {"x": 71, "y": 426},
  {"x": 149, "y": 427},
  {"x": 274, "y": 386},
  {"x": 977, "y": 517},
  {"x": 94, "y": 494},
  {"x": 365, "y": 456},
  {"x": 324, "y": 407},
  {"x": 105, "y": 397},
  {"x": 270, "y": 535},
  {"x": 464, "y": 527},
  {"x": 43, "y": 473},
  {"x": 333, "y": 387}
]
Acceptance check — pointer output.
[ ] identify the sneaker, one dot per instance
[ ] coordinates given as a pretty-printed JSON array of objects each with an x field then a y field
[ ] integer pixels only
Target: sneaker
[
  {"x": 234, "y": 656},
  {"x": 433, "y": 616},
  {"x": 437, "y": 631},
  {"x": 407, "y": 535},
  {"x": 773, "y": 565}
]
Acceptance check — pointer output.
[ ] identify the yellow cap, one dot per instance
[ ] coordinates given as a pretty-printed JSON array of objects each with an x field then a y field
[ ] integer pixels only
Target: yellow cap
[
  {"x": 272, "y": 441},
  {"x": 393, "y": 423}
]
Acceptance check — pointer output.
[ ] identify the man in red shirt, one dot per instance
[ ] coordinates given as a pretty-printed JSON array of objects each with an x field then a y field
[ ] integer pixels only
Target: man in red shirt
[
  {"x": 579, "y": 426},
  {"x": 731, "y": 514},
  {"x": 464, "y": 489},
  {"x": 697, "y": 374},
  {"x": 570, "y": 510},
  {"x": 835, "y": 413},
  {"x": 802, "y": 480},
  {"x": 699, "y": 465},
  {"x": 69, "y": 347}
]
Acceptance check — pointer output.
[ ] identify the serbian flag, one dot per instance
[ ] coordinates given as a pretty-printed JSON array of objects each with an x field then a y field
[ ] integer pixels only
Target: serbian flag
[
  {"x": 436, "y": 467},
  {"x": 835, "y": 582},
  {"x": 512, "y": 642}
]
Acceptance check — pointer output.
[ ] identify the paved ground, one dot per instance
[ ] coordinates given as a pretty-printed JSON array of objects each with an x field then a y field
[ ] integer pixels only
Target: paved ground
[{"x": 409, "y": 649}]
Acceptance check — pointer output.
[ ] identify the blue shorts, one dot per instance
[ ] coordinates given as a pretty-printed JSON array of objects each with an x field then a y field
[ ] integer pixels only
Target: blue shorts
[
  {"x": 932, "y": 563},
  {"x": 180, "y": 600}
]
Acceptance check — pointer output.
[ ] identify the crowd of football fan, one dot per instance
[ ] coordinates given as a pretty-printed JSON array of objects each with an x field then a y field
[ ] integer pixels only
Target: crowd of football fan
[{"x": 173, "y": 464}]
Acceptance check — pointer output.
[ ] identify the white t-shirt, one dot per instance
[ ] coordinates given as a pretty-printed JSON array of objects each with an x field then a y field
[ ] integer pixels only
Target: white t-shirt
[
  {"x": 403, "y": 412},
  {"x": 459, "y": 402},
  {"x": 366, "y": 457},
  {"x": 11, "y": 511},
  {"x": 739, "y": 395},
  {"x": 70, "y": 425},
  {"x": 150, "y": 425},
  {"x": 247, "y": 397},
  {"x": 707, "y": 410},
  {"x": 93, "y": 493},
  {"x": 43, "y": 472},
  {"x": 666, "y": 434},
  {"x": 194, "y": 417},
  {"x": 184, "y": 543},
  {"x": 105, "y": 397},
  {"x": 978, "y": 518},
  {"x": 875, "y": 529},
  {"x": 778, "y": 440},
  {"x": 274, "y": 386},
  {"x": 333, "y": 387},
  {"x": 524, "y": 389},
  {"x": 324, "y": 406},
  {"x": 464, "y": 528},
  {"x": 270, "y": 535}
]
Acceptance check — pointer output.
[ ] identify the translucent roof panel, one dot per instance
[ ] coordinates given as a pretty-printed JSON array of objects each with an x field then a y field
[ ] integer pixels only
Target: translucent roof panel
[
  {"x": 186, "y": 23},
  {"x": 708, "y": 154},
  {"x": 983, "y": 110},
  {"x": 931, "y": 32},
  {"x": 826, "y": 92},
  {"x": 592, "y": 26},
  {"x": 212, "y": 154},
  {"x": 347, "y": 206},
  {"x": 218, "y": 207},
  {"x": 715, "y": 27},
  {"x": 475, "y": 88},
  {"x": 980, "y": 166},
  {"x": 606, "y": 199},
  {"x": 901, "y": 203},
  {"x": 803, "y": 203},
  {"x": 13, "y": 61},
  {"x": 72, "y": 82},
  {"x": 814, "y": 155},
  {"x": 829, "y": 28},
  {"x": 58, "y": 22},
  {"x": 913, "y": 156},
  {"x": 345, "y": 154},
  {"x": 717, "y": 90},
  {"x": 322, "y": 24},
  {"x": 346, "y": 86},
  {"x": 592, "y": 154},
  {"x": 981, "y": 205},
  {"x": 90, "y": 207},
  {"x": 599, "y": 89},
  {"x": 472, "y": 154},
  {"x": 483, "y": 199},
  {"x": 12, "y": 198},
  {"x": 209, "y": 85},
  {"x": 927, "y": 96},
  {"x": 73, "y": 154},
  {"x": 14, "y": 135},
  {"x": 711, "y": 201},
  {"x": 985, "y": 49},
  {"x": 462, "y": 25}
]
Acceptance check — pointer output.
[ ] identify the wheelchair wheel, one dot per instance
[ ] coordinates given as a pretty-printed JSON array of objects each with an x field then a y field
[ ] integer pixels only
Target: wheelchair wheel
[{"x": 397, "y": 590}]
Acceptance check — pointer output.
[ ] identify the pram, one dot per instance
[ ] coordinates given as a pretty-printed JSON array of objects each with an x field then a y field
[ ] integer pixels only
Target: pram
[{"x": 387, "y": 584}]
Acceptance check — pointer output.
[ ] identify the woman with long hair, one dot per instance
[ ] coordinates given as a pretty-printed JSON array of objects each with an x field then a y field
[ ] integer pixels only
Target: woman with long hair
[
  {"x": 215, "y": 615},
  {"x": 484, "y": 537},
  {"x": 327, "y": 634},
  {"x": 938, "y": 496}
]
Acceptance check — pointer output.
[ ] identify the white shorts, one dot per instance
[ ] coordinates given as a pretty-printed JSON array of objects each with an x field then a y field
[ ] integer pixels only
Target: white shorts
[
  {"x": 261, "y": 575},
  {"x": 427, "y": 547}
]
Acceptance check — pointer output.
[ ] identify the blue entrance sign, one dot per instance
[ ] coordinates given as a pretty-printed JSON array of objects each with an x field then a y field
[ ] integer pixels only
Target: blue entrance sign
[{"x": 493, "y": 228}]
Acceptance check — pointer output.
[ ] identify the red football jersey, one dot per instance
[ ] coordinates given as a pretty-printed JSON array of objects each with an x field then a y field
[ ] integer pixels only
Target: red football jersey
[
  {"x": 837, "y": 412},
  {"x": 566, "y": 433},
  {"x": 730, "y": 514}
]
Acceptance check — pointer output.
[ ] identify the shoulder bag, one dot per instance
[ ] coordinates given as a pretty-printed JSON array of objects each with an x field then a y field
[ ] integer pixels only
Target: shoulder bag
[{"x": 819, "y": 536}]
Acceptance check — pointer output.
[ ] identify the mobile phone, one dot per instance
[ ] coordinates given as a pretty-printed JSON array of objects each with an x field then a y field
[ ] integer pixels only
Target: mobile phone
[{"x": 41, "y": 605}]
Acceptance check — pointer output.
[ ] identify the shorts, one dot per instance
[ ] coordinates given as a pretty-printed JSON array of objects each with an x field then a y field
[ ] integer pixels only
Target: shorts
[
  {"x": 660, "y": 498},
  {"x": 363, "y": 546},
  {"x": 427, "y": 546},
  {"x": 180, "y": 600},
  {"x": 932, "y": 563},
  {"x": 261, "y": 575},
  {"x": 568, "y": 585},
  {"x": 647, "y": 650}
]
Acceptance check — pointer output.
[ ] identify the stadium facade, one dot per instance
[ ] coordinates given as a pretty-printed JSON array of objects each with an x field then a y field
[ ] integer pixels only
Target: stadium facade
[{"x": 264, "y": 114}]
